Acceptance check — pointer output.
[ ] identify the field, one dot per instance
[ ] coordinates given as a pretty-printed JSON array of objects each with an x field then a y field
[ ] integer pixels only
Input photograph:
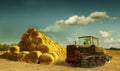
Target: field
[{"x": 6, "y": 65}]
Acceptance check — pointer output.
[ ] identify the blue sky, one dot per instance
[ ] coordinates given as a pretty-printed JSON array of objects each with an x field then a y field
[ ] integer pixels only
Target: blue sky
[{"x": 62, "y": 20}]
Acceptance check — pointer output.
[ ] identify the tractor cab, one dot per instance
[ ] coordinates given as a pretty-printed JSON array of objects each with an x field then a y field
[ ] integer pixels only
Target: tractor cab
[{"x": 88, "y": 40}]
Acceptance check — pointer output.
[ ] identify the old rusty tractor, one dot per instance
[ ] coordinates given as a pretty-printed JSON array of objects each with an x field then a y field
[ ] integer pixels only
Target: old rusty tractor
[{"x": 87, "y": 53}]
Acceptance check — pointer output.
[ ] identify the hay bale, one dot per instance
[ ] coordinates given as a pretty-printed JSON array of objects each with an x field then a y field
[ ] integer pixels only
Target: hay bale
[
  {"x": 11, "y": 56},
  {"x": 33, "y": 56},
  {"x": 43, "y": 48},
  {"x": 31, "y": 46},
  {"x": 37, "y": 41},
  {"x": 26, "y": 37},
  {"x": 30, "y": 30},
  {"x": 22, "y": 56},
  {"x": 14, "y": 49},
  {"x": 6, "y": 55},
  {"x": 24, "y": 45},
  {"x": 14, "y": 56},
  {"x": 34, "y": 34},
  {"x": 54, "y": 55},
  {"x": 46, "y": 58}
]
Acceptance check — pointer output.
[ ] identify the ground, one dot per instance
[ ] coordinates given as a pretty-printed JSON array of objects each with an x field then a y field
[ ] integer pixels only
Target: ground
[{"x": 61, "y": 65}]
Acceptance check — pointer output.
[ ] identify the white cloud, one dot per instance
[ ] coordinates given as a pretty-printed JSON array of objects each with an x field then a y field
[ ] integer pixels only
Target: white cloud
[
  {"x": 76, "y": 20},
  {"x": 105, "y": 34},
  {"x": 81, "y": 20},
  {"x": 118, "y": 40},
  {"x": 99, "y": 15},
  {"x": 112, "y": 40},
  {"x": 109, "y": 40},
  {"x": 54, "y": 28}
]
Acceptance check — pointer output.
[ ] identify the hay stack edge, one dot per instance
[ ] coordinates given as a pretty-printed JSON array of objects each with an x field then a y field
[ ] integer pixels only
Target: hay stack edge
[{"x": 35, "y": 47}]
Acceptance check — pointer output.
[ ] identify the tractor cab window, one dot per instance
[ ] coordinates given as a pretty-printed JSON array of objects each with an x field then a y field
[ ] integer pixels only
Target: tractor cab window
[{"x": 84, "y": 41}]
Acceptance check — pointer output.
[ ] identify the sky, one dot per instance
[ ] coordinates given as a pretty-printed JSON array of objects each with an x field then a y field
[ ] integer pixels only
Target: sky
[{"x": 61, "y": 20}]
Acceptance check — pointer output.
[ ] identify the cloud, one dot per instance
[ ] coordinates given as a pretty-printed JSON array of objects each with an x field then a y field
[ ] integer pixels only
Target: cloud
[
  {"x": 81, "y": 20},
  {"x": 109, "y": 40},
  {"x": 112, "y": 40},
  {"x": 76, "y": 20},
  {"x": 99, "y": 15},
  {"x": 54, "y": 28},
  {"x": 105, "y": 34}
]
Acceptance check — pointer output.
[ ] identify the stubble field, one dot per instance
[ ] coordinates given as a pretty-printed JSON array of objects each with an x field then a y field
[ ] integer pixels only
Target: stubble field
[{"x": 60, "y": 65}]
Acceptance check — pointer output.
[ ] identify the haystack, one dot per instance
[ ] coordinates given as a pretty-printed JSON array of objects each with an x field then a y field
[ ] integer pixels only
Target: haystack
[
  {"x": 33, "y": 40},
  {"x": 22, "y": 56},
  {"x": 33, "y": 56},
  {"x": 14, "y": 49},
  {"x": 33, "y": 43},
  {"x": 46, "y": 58}
]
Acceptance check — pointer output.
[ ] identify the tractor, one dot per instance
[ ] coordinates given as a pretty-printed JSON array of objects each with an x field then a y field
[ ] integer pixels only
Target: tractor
[{"x": 86, "y": 52}]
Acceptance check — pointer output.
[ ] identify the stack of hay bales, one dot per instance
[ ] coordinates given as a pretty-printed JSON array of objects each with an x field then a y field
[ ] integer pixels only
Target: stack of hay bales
[
  {"x": 34, "y": 40},
  {"x": 12, "y": 53},
  {"x": 35, "y": 47}
]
